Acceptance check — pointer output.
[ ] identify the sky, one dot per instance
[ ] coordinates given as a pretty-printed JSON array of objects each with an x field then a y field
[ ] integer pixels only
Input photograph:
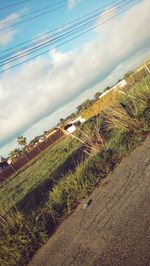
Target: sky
[{"x": 35, "y": 94}]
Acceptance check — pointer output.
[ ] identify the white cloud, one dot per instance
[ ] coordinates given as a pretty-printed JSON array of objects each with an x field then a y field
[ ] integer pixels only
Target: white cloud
[
  {"x": 8, "y": 34},
  {"x": 104, "y": 16},
  {"x": 40, "y": 87},
  {"x": 72, "y": 3},
  {"x": 51, "y": 120},
  {"x": 9, "y": 20}
]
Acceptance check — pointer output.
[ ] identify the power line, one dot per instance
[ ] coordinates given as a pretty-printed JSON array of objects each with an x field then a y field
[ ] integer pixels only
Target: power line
[
  {"x": 30, "y": 13},
  {"x": 51, "y": 38},
  {"x": 102, "y": 22},
  {"x": 74, "y": 37},
  {"x": 57, "y": 38},
  {"x": 58, "y": 28},
  {"x": 36, "y": 16},
  {"x": 92, "y": 15},
  {"x": 14, "y": 4}
]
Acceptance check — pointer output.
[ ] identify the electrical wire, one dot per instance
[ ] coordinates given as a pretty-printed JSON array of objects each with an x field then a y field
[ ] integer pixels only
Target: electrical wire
[
  {"x": 74, "y": 37},
  {"x": 14, "y": 4},
  {"x": 102, "y": 22},
  {"x": 29, "y": 13},
  {"x": 36, "y": 16},
  {"x": 51, "y": 38},
  {"x": 58, "y": 28}
]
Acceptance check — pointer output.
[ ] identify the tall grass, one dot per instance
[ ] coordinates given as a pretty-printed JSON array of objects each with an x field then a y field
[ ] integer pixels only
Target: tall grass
[
  {"x": 121, "y": 129},
  {"x": 119, "y": 118}
]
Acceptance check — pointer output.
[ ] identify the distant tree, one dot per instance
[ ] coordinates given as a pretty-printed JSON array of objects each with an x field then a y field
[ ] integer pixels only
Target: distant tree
[
  {"x": 15, "y": 154},
  {"x": 22, "y": 141},
  {"x": 62, "y": 120},
  {"x": 119, "y": 80},
  {"x": 107, "y": 88},
  {"x": 97, "y": 95},
  {"x": 79, "y": 108},
  {"x": 33, "y": 141},
  {"x": 128, "y": 74},
  {"x": 86, "y": 104},
  {"x": 72, "y": 116}
]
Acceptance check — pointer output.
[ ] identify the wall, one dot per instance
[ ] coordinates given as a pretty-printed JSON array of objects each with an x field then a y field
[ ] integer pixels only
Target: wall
[{"x": 28, "y": 156}]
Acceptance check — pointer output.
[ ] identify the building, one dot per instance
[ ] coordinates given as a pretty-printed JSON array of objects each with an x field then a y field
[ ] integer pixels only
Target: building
[
  {"x": 41, "y": 139},
  {"x": 70, "y": 128},
  {"x": 72, "y": 125},
  {"x": 121, "y": 84}
]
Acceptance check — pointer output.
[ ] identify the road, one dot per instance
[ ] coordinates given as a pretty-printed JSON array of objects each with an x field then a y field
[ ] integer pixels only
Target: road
[{"x": 114, "y": 229}]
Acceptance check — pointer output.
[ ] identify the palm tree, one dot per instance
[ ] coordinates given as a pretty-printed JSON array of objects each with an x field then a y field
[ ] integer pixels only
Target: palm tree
[{"x": 22, "y": 141}]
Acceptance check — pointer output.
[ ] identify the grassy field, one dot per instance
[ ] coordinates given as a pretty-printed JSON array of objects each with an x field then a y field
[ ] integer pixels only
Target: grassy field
[
  {"x": 36, "y": 200},
  {"x": 43, "y": 171}
]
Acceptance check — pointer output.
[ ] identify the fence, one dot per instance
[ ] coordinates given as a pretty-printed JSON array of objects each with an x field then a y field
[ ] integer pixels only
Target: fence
[{"x": 28, "y": 156}]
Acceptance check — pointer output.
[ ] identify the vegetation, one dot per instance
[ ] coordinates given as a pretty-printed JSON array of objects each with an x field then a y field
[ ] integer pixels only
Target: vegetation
[
  {"x": 40, "y": 172},
  {"x": 22, "y": 140},
  {"x": 50, "y": 187},
  {"x": 15, "y": 154}
]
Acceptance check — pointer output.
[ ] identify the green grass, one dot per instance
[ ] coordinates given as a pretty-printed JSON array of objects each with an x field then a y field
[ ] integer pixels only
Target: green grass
[
  {"x": 60, "y": 187},
  {"x": 37, "y": 172}
]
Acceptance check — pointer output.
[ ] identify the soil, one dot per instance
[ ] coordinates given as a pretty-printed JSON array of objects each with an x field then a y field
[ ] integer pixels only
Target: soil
[{"x": 111, "y": 227}]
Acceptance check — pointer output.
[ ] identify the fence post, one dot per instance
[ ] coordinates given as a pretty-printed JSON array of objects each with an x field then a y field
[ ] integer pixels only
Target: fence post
[{"x": 25, "y": 156}]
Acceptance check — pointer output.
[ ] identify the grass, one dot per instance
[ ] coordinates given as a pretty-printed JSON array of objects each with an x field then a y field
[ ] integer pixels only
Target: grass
[
  {"x": 43, "y": 169},
  {"x": 110, "y": 99},
  {"x": 26, "y": 227}
]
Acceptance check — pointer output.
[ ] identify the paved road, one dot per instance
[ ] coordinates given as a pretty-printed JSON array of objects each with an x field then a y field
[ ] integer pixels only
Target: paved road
[{"x": 115, "y": 228}]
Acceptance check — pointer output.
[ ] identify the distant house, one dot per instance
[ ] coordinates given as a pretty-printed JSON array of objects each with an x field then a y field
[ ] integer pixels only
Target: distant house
[
  {"x": 72, "y": 126},
  {"x": 41, "y": 139},
  {"x": 9, "y": 161},
  {"x": 3, "y": 163},
  {"x": 119, "y": 85}
]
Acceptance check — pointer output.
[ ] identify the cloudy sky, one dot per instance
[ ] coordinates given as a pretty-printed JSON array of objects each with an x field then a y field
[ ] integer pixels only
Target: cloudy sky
[{"x": 35, "y": 94}]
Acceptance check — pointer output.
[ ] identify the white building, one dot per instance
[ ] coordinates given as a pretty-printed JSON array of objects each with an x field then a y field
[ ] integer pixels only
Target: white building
[
  {"x": 72, "y": 126},
  {"x": 70, "y": 129},
  {"x": 119, "y": 85}
]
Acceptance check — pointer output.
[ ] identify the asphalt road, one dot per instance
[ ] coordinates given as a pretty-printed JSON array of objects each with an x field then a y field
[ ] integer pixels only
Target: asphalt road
[{"x": 115, "y": 228}]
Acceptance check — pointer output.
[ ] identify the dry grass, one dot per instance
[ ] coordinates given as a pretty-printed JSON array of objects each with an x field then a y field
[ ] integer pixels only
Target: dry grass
[
  {"x": 119, "y": 118},
  {"x": 23, "y": 234},
  {"x": 110, "y": 99}
]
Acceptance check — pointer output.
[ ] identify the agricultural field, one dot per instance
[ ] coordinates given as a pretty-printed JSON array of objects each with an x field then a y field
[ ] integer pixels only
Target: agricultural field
[{"x": 36, "y": 199}]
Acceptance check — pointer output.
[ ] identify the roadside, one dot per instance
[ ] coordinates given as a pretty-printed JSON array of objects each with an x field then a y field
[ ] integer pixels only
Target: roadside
[
  {"x": 46, "y": 193},
  {"x": 113, "y": 229}
]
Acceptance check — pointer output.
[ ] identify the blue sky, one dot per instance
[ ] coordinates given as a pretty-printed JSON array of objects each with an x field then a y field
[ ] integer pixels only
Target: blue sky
[
  {"x": 49, "y": 21},
  {"x": 36, "y": 94}
]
